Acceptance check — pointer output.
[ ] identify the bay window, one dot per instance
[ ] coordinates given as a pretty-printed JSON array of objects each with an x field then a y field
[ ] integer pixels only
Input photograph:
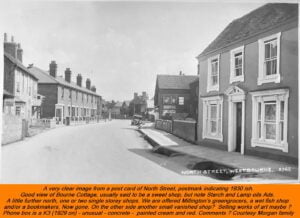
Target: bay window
[
  {"x": 212, "y": 117},
  {"x": 270, "y": 114}
]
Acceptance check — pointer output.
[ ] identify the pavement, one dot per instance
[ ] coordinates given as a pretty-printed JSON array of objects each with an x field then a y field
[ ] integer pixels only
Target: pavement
[
  {"x": 169, "y": 144},
  {"x": 102, "y": 153}
]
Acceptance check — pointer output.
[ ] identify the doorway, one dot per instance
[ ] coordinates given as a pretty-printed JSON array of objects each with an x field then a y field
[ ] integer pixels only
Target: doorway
[
  {"x": 238, "y": 126},
  {"x": 236, "y": 119}
]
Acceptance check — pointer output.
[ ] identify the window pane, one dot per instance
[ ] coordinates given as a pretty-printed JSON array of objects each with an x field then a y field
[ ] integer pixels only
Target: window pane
[
  {"x": 282, "y": 110},
  {"x": 281, "y": 130},
  {"x": 238, "y": 71},
  {"x": 259, "y": 111},
  {"x": 259, "y": 129},
  {"x": 213, "y": 126},
  {"x": 270, "y": 112},
  {"x": 214, "y": 67},
  {"x": 267, "y": 50},
  {"x": 270, "y": 131},
  {"x": 273, "y": 46},
  {"x": 268, "y": 66},
  {"x": 214, "y": 80},
  {"x": 213, "y": 111},
  {"x": 274, "y": 66}
]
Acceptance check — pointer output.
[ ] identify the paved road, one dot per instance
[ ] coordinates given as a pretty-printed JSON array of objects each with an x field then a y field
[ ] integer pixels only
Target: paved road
[{"x": 111, "y": 152}]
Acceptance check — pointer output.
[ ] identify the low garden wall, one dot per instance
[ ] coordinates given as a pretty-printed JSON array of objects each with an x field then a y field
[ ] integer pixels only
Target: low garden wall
[
  {"x": 165, "y": 125},
  {"x": 185, "y": 129}
]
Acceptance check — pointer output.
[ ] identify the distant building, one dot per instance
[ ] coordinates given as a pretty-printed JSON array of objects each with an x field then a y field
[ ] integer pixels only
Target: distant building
[
  {"x": 249, "y": 85},
  {"x": 194, "y": 99},
  {"x": 172, "y": 95},
  {"x": 125, "y": 109},
  {"x": 139, "y": 104},
  {"x": 20, "y": 95},
  {"x": 116, "y": 110},
  {"x": 64, "y": 99}
]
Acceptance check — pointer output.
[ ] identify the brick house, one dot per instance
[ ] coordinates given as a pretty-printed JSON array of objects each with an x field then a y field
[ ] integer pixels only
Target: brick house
[
  {"x": 138, "y": 104},
  {"x": 66, "y": 100},
  {"x": 249, "y": 85},
  {"x": 20, "y": 96},
  {"x": 172, "y": 94}
]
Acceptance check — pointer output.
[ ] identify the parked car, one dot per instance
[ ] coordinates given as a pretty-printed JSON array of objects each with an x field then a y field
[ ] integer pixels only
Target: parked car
[{"x": 136, "y": 120}]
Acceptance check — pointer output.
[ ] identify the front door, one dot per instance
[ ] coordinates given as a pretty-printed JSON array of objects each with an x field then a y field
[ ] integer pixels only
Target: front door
[
  {"x": 59, "y": 114},
  {"x": 238, "y": 126}
]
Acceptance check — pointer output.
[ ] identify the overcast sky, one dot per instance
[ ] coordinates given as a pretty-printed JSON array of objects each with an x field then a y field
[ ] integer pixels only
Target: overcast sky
[{"x": 120, "y": 46}]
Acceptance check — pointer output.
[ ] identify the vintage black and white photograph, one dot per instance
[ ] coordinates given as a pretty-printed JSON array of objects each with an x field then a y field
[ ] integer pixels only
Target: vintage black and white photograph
[{"x": 131, "y": 92}]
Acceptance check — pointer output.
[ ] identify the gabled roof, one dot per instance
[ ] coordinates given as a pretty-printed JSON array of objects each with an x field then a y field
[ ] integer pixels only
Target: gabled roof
[
  {"x": 258, "y": 21},
  {"x": 45, "y": 78},
  {"x": 175, "y": 81},
  {"x": 118, "y": 104},
  {"x": 19, "y": 64}
]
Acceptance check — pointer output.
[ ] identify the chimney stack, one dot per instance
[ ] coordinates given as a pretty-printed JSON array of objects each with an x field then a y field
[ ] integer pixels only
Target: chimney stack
[
  {"x": 68, "y": 75},
  {"x": 88, "y": 83},
  {"x": 145, "y": 97},
  {"x": 93, "y": 89},
  {"x": 135, "y": 95},
  {"x": 10, "y": 47},
  {"x": 20, "y": 53},
  {"x": 79, "y": 80},
  {"x": 53, "y": 69}
]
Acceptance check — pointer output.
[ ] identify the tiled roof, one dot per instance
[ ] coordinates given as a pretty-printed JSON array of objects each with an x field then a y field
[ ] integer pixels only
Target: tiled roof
[
  {"x": 175, "y": 81},
  {"x": 44, "y": 77},
  {"x": 19, "y": 64},
  {"x": 260, "y": 20}
]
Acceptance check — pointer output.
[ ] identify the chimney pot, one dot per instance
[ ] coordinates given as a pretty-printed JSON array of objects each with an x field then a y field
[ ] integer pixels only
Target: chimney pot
[
  {"x": 5, "y": 37},
  {"x": 12, "y": 38}
]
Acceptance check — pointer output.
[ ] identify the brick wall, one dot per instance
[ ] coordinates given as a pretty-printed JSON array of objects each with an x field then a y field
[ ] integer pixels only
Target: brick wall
[
  {"x": 8, "y": 82},
  {"x": 11, "y": 128},
  {"x": 49, "y": 91},
  {"x": 185, "y": 129},
  {"x": 165, "y": 125}
]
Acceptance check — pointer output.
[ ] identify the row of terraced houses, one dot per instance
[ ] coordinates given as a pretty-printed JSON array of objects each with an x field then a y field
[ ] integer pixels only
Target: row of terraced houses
[
  {"x": 248, "y": 86},
  {"x": 42, "y": 97}
]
